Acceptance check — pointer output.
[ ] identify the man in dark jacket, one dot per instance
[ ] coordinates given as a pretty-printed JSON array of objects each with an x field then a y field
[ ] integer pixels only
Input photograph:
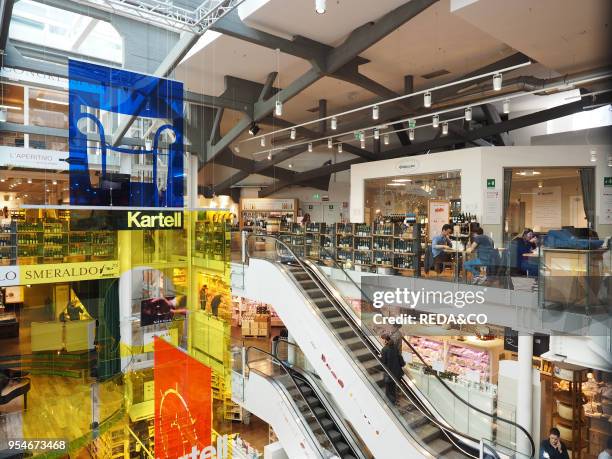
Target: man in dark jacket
[
  {"x": 393, "y": 361},
  {"x": 552, "y": 448}
]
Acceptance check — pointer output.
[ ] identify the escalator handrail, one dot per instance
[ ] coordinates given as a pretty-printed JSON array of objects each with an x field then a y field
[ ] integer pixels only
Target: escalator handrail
[
  {"x": 448, "y": 431},
  {"x": 435, "y": 373},
  {"x": 286, "y": 369}
]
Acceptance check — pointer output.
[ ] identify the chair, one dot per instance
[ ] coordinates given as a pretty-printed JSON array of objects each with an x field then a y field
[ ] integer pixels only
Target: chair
[{"x": 16, "y": 388}]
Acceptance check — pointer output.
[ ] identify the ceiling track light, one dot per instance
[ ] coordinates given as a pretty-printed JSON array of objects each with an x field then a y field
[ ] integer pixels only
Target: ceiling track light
[
  {"x": 444, "y": 128},
  {"x": 254, "y": 129},
  {"x": 362, "y": 142},
  {"x": 376, "y": 134},
  {"x": 320, "y": 6},
  {"x": 609, "y": 160},
  {"x": 435, "y": 121},
  {"x": 427, "y": 99},
  {"x": 411, "y": 134},
  {"x": 293, "y": 133},
  {"x": 593, "y": 156},
  {"x": 334, "y": 123},
  {"x": 339, "y": 148},
  {"x": 278, "y": 108},
  {"x": 237, "y": 149},
  {"x": 497, "y": 82},
  {"x": 310, "y": 147},
  {"x": 330, "y": 143},
  {"x": 468, "y": 114},
  {"x": 506, "y": 106},
  {"x": 375, "y": 112},
  {"x": 386, "y": 139},
  {"x": 269, "y": 156},
  {"x": 262, "y": 142},
  {"x": 290, "y": 165}
]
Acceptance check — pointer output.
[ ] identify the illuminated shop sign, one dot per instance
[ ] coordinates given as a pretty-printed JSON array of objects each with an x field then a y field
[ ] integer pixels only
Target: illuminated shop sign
[
  {"x": 33, "y": 158},
  {"x": 68, "y": 272},
  {"x": 153, "y": 220}
]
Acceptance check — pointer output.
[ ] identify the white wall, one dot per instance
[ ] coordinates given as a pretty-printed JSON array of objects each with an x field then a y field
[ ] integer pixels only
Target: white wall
[{"x": 479, "y": 164}]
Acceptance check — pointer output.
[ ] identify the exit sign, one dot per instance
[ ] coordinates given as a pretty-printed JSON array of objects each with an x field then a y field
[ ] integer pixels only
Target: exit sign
[
  {"x": 490, "y": 183},
  {"x": 607, "y": 181},
  {"x": 316, "y": 196}
]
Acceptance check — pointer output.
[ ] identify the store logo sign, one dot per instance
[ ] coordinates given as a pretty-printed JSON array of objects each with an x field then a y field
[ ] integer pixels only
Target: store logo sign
[
  {"x": 154, "y": 220},
  {"x": 210, "y": 452},
  {"x": 68, "y": 272},
  {"x": 607, "y": 181},
  {"x": 9, "y": 275},
  {"x": 408, "y": 165}
]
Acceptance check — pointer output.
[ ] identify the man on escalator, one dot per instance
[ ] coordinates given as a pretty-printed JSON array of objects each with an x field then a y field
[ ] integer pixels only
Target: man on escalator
[{"x": 392, "y": 359}]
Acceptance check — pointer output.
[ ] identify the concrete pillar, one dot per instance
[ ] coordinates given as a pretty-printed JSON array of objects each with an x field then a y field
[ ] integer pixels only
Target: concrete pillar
[{"x": 524, "y": 404}]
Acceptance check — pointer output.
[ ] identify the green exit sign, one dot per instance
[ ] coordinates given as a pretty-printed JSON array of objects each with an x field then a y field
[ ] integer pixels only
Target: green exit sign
[
  {"x": 316, "y": 196},
  {"x": 607, "y": 181},
  {"x": 490, "y": 183}
]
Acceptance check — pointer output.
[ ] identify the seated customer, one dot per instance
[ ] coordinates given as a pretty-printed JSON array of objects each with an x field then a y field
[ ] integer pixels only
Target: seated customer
[
  {"x": 439, "y": 243},
  {"x": 552, "y": 448},
  {"x": 486, "y": 254},
  {"x": 526, "y": 243}
]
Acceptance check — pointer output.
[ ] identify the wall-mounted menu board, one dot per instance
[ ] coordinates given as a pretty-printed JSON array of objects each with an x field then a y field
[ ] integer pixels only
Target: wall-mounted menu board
[{"x": 438, "y": 214}]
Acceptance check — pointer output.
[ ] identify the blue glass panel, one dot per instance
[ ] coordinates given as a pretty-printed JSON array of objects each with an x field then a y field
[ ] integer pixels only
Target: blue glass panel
[{"x": 126, "y": 93}]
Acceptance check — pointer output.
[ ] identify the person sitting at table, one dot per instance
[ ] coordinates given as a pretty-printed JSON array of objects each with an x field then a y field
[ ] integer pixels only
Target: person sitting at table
[
  {"x": 486, "y": 254},
  {"x": 438, "y": 244},
  {"x": 521, "y": 245}
]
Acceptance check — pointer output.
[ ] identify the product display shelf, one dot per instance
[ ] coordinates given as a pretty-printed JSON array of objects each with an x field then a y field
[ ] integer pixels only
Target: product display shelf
[
  {"x": 8, "y": 245},
  {"x": 567, "y": 408},
  {"x": 231, "y": 411}
]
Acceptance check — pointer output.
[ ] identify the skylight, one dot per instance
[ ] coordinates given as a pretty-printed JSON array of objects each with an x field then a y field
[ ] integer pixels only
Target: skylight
[{"x": 36, "y": 23}]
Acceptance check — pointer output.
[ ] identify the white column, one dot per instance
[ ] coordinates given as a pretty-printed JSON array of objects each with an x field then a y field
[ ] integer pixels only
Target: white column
[
  {"x": 524, "y": 404},
  {"x": 192, "y": 182}
]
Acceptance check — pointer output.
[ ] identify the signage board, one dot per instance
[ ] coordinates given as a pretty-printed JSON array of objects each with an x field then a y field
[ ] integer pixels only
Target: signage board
[
  {"x": 490, "y": 183},
  {"x": 33, "y": 158},
  {"x": 151, "y": 219},
  {"x": 9, "y": 275},
  {"x": 183, "y": 409},
  {"x": 408, "y": 165},
  {"x": 438, "y": 215},
  {"x": 68, "y": 272}
]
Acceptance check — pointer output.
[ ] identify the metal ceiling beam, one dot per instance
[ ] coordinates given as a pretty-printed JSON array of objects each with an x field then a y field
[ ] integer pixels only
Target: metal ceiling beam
[
  {"x": 176, "y": 54},
  {"x": 442, "y": 142},
  {"x": 6, "y": 12},
  {"x": 40, "y": 52},
  {"x": 493, "y": 117},
  {"x": 365, "y": 36}
]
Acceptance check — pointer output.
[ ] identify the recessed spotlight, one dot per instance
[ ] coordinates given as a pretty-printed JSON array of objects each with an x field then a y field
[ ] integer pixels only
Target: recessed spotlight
[{"x": 290, "y": 165}]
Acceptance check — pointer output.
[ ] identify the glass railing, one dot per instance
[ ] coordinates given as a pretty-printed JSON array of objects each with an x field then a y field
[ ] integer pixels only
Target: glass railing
[
  {"x": 264, "y": 363},
  {"x": 407, "y": 392},
  {"x": 395, "y": 394}
]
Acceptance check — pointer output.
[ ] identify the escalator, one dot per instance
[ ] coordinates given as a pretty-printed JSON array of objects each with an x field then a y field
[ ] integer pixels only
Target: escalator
[
  {"x": 416, "y": 414},
  {"x": 436, "y": 439},
  {"x": 333, "y": 438}
]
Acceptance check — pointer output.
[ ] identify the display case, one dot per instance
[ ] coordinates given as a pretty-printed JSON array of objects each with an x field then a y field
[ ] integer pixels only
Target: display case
[{"x": 261, "y": 212}]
